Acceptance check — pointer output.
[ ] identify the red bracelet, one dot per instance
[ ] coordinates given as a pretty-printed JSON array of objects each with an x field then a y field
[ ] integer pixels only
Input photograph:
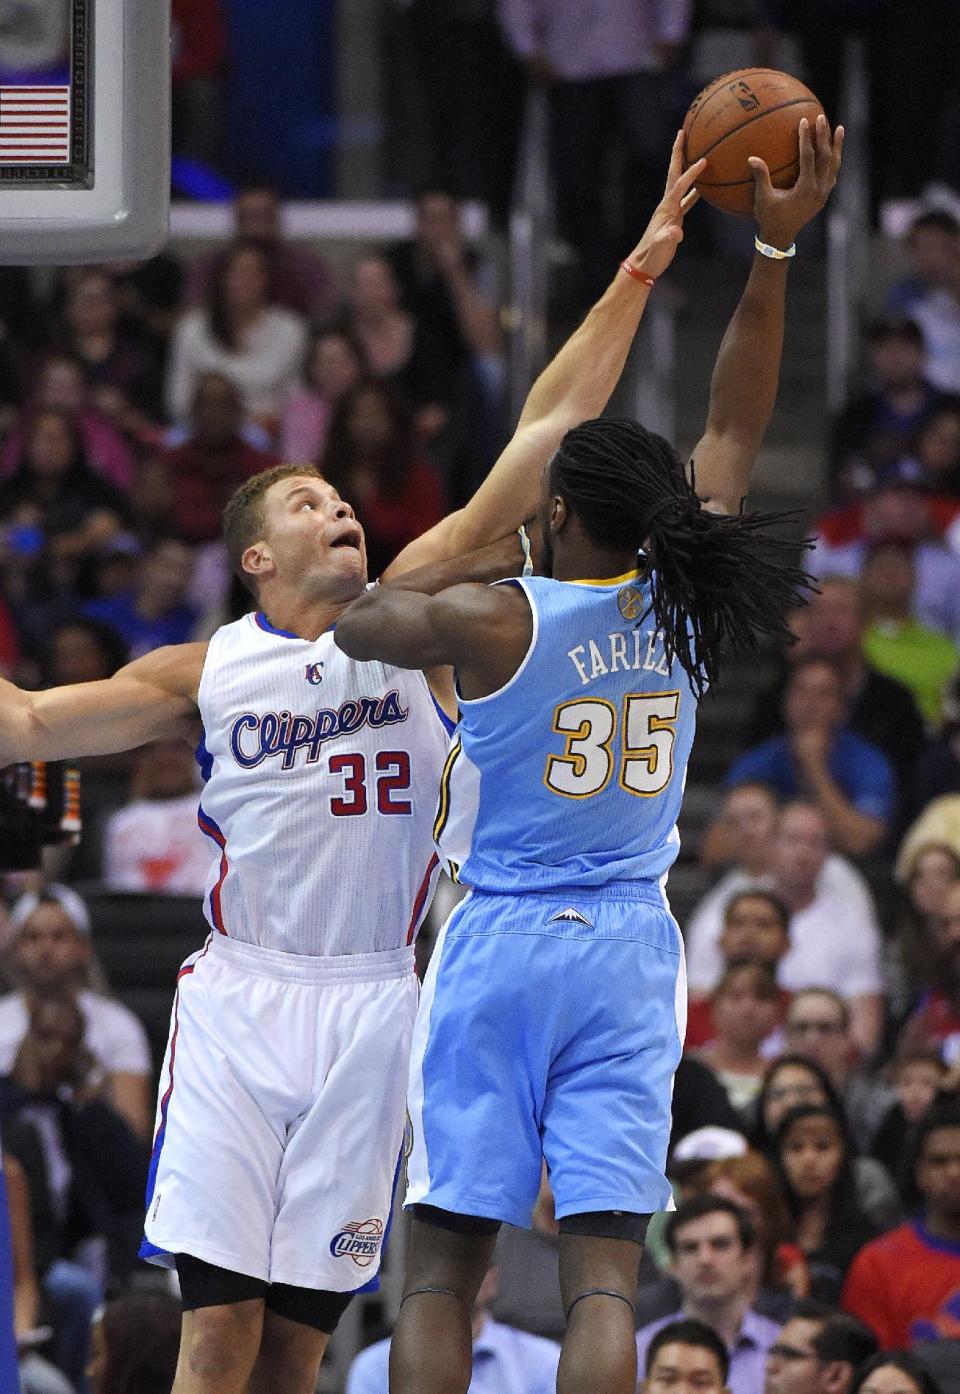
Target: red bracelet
[{"x": 637, "y": 274}]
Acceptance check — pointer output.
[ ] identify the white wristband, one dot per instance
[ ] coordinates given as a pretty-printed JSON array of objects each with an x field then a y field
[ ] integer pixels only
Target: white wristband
[
  {"x": 525, "y": 544},
  {"x": 774, "y": 253}
]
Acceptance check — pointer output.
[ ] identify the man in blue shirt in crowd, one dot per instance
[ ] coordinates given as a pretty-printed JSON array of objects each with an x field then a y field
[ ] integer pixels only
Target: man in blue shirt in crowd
[
  {"x": 713, "y": 1258},
  {"x": 822, "y": 759},
  {"x": 505, "y": 1361},
  {"x": 156, "y": 611}
]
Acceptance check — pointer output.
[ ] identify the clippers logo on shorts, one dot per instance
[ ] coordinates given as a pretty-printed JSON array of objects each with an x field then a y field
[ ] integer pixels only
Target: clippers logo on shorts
[
  {"x": 359, "y": 1240},
  {"x": 254, "y": 738}
]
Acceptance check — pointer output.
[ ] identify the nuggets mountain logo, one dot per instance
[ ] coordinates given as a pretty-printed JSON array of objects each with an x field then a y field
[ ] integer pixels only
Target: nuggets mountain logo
[{"x": 359, "y": 1240}]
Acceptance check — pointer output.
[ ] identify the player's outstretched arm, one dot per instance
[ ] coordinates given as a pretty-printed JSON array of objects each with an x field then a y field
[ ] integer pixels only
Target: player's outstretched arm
[
  {"x": 151, "y": 698},
  {"x": 747, "y": 371},
  {"x": 574, "y": 387},
  {"x": 483, "y": 631}
]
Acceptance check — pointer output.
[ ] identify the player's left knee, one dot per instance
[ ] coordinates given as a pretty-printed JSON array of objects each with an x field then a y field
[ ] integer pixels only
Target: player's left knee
[{"x": 220, "y": 1343}]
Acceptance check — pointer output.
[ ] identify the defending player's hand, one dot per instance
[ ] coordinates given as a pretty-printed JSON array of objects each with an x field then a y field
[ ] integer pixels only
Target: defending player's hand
[
  {"x": 658, "y": 245},
  {"x": 781, "y": 213}
]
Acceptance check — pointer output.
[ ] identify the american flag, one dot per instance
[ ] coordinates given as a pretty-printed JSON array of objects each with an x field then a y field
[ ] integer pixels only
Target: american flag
[{"x": 34, "y": 125}]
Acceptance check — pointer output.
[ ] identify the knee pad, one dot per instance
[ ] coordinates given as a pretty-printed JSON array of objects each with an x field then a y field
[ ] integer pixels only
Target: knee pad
[
  {"x": 456, "y": 1224},
  {"x": 312, "y": 1307},
  {"x": 203, "y": 1284},
  {"x": 607, "y": 1224}
]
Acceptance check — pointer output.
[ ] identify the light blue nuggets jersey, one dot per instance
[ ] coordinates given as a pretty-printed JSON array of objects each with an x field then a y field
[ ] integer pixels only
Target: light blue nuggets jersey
[{"x": 572, "y": 774}]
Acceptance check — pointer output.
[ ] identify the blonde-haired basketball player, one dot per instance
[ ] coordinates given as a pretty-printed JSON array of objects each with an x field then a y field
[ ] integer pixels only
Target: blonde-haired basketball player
[{"x": 282, "y": 1096}]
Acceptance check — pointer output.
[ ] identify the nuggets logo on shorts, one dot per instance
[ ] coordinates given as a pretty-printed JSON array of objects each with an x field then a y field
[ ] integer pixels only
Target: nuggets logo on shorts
[
  {"x": 359, "y": 1240},
  {"x": 630, "y": 602}
]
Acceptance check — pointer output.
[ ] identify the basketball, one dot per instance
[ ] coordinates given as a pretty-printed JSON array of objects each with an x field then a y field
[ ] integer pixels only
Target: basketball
[{"x": 754, "y": 111}]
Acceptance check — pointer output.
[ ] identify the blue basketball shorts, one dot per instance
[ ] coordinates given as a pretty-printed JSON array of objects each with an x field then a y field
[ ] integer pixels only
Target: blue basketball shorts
[{"x": 550, "y": 1026}]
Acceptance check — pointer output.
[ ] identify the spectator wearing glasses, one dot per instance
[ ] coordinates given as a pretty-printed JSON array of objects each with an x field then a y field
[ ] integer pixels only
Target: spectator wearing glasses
[
  {"x": 712, "y": 1247},
  {"x": 686, "y": 1357},
  {"x": 817, "y": 1352},
  {"x": 794, "y": 1081},
  {"x": 818, "y": 1026}
]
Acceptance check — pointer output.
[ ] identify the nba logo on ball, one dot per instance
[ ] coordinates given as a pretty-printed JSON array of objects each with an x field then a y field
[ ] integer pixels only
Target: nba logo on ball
[{"x": 359, "y": 1240}]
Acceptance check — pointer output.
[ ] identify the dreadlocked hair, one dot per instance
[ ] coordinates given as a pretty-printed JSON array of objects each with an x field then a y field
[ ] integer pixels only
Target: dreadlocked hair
[{"x": 714, "y": 578}]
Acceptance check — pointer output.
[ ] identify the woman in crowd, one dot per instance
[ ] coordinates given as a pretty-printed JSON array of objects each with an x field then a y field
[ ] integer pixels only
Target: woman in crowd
[
  {"x": 746, "y": 1009},
  {"x": 134, "y": 1345},
  {"x": 793, "y": 1081},
  {"x": 54, "y": 507},
  {"x": 332, "y": 369},
  {"x": 927, "y": 871},
  {"x": 242, "y": 333},
  {"x": 936, "y": 450},
  {"x": 123, "y": 371},
  {"x": 751, "y": 1182},
  {"x": 814, "y": 1161},
  {"x": 374, "y": 459},
  {"x": 894, "y": 1372},
  {"x": 394, "y": 348},
  {"x": 61, "y": 385}
]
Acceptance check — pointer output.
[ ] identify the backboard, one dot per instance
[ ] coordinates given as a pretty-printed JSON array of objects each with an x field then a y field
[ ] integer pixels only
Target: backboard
[{"x": 84, "y": 131}]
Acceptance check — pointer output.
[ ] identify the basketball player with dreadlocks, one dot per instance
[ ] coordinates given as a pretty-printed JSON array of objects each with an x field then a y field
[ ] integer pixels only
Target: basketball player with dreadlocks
[{"x": 552, "y": 1015}]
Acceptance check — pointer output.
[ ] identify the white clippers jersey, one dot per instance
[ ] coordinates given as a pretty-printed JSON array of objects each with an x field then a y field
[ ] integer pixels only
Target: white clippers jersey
[{"x": 321, "y": 788}]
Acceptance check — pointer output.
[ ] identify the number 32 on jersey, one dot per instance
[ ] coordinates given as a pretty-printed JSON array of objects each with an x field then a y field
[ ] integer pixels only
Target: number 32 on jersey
[{"x": 647, "y": 732}]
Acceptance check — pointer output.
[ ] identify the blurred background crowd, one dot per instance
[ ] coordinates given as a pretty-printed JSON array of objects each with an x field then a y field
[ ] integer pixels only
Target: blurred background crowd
[{"x": 816, "y": 1148}]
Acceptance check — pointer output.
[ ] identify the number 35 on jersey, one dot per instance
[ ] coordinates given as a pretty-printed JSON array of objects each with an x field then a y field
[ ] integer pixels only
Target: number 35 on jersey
[{"x": 635, "y": 744}]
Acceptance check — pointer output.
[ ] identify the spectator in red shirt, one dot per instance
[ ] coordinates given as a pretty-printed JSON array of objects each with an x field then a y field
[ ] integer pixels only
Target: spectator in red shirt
[
  {"x": 756, "y": 929},
  {"x": 906, "y": 1284},
  {"x": 186, "y": 488},
  {"x": 936, "y": 1020},
  {"x": 374, "y": 459}
]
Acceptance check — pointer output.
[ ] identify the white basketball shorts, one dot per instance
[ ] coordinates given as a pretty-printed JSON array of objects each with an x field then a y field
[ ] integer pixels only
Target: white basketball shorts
[{"x": 281, "y": 1113}]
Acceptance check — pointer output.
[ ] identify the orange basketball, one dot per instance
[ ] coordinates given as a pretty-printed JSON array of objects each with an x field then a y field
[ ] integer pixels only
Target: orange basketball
[{"x": 755, "y": 111}]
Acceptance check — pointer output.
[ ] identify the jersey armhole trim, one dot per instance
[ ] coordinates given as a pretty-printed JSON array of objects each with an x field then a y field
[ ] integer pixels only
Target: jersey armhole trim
[{"x": 478, "y": 701}]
